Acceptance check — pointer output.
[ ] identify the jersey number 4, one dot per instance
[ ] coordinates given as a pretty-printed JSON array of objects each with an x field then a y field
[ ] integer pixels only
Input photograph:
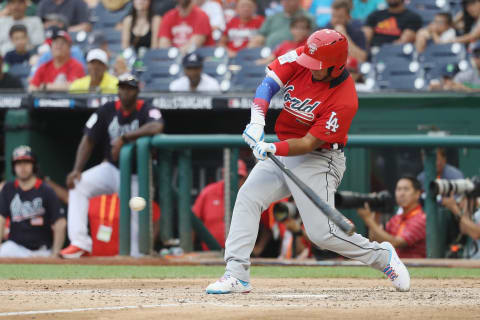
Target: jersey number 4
[{"x": 332, "y": 123}]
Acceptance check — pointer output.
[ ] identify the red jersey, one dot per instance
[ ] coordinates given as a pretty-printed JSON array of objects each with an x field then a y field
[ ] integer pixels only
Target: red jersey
[
  {"x": 239, "y": 33},
  {"x": 48, "y": 73},
  {"x": 410, "y": 226},
  {"x": 323, "y": 109},
  {"x": 104, "y": 210},
  {"x": 180, "y": 29},
  {"x": 287, "y": 46}
]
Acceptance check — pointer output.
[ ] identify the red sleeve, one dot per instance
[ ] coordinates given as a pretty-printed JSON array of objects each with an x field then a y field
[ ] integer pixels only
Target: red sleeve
[
  {"x": 202, "y": 24},
  {"x": 165, "y": 29},
  {"x": 37, "y": 79},
  {"x": 414, "y": 230},
  {"x": 333, "y": 125},
  {"x": 284, "y": 66}
]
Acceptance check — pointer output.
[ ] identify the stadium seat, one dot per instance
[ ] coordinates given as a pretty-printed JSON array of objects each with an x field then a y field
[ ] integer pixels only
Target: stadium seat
[
  {"x": 251, "y": 54},
  {"x": 215, "y": 69},
  {"x": 21, "y": 71},
  {"x": 114, "y": 40},
  {"x": 212, "y": 53},
  {"x": 158, "y": 84},
  {"x": 399, "y": 76},
  {"x": 248, "y": 77},
  {"x": 153, "y": 56},
  {"x": 103, "y": 18},
  {"x": 436, "y": 56},
  {"x": 393, "y": 51}
]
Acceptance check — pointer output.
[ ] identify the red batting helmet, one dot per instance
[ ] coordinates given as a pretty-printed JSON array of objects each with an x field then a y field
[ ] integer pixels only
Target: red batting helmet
[{"x": 325, "y": 49}]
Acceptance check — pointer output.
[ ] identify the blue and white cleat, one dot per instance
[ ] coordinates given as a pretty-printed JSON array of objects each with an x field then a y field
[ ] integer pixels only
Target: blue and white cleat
[
  {"x": 228, "y": 284},
  {"x": 396, "y": 270}
]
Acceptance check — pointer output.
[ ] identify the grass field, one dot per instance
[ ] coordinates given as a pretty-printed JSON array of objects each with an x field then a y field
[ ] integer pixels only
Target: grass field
[{"x": 41, "y": 271}]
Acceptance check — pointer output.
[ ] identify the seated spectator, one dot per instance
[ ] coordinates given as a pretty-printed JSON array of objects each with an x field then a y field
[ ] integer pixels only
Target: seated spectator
[
  {"x": 186, "y": 27},
  {"x": 445, "y": 81},
  {"x": 210, "y": 209},
  {"x": 468, "y": 22},
  {"x": 440, "y": 30},
  {"x": 242, "y": 28},
  {"x": 469, "y": 80},
  {"x": 406, "y": 231},
  {"x": 8, "y": 81},
  {"x": 215, "y": 13},
  {"x": 444, "y": 170},
  {"x": 75, "y": 11},
  {"x": 37, "y": 222},
  {"x": 98, "y": 79},
  {"x": 194, "y": 79},
  {"x": 343, "y": 23},
  {"x": 396, "y": 24},
  {"x": 160, "y": 8},
  {"x": 137, "y": 26},
  {"x": 275, "y": 29},
  {"x": 300, "y": 29},
  {"x": 322, "y": 11},
  {"x": 17, "y": 9},
  {"x": 468, "y": 220},
  {"x": 62, "y": 70},
  {"x": 362, "y": 8},
  {"x": 20, "y": 54}
]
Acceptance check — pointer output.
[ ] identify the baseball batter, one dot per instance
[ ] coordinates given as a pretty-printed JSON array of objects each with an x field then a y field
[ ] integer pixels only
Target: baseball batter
[
  {"x": 320, "y": 102},
  {"x": 113, "y": 125}
]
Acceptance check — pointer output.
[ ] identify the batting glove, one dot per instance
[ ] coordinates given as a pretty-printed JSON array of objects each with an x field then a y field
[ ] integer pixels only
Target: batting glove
[
  {"x": 262, "y": 148},
  {"x": 253, "y": 134}
]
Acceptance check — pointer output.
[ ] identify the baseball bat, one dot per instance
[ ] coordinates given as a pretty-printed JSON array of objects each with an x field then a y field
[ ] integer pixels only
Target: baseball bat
[{"x": 333, "y": 214}]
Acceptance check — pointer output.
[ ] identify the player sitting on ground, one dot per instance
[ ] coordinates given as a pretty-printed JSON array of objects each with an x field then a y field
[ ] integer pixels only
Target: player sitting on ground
[
  {"x": 37, "y": 222},
  {"x": 320, "y": 102}
]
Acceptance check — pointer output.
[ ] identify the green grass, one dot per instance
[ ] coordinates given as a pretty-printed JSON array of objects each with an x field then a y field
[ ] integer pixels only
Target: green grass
[{"x": 39, "y": 271}]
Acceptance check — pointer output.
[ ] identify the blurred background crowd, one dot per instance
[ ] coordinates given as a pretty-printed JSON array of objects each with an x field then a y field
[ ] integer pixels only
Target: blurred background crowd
[{"x": 224, "y": 45}]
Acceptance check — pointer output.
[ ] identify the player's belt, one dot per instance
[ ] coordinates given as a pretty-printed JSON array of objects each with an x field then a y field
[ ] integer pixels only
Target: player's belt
[{"x": 332, "y": 146}]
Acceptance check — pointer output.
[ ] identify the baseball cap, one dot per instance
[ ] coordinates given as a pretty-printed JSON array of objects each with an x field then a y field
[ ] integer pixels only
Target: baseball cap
[
  {"x": 97, "y": 54},
  {"x": 192, "y": 60},
  {"x": 128, "y": 79},
  {"x": 54, "y": 32},
  {"x": 22, "y": 153}
]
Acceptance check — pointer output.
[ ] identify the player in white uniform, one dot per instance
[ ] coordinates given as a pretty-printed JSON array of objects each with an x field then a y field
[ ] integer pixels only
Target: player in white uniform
[{"x": 320, "y": 102}]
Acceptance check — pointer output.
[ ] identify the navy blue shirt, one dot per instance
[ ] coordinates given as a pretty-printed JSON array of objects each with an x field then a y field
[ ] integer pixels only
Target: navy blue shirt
[
  {"x": 31, "y": 213},
  {"x": 111, "y": 122},
  {"x": 13, "y": 57}
]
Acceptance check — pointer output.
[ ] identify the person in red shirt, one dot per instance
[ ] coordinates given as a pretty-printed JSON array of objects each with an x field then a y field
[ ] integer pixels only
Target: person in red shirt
[
  {"x": 210, "y": 208},
  {"x": 62, "y": 70},
  {"x": 319, "y": 103},
  {"x": 186, "y": 27},
  {"x": 406, "y": 231},
  {"x": 241, "y": 29},
  {"x": 300, "y": 28}
]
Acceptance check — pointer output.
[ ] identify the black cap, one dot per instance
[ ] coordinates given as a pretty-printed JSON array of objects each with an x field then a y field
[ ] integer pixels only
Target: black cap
[
  {"x": 192, "y": 60},
  {"x": 128, "y": 80}
]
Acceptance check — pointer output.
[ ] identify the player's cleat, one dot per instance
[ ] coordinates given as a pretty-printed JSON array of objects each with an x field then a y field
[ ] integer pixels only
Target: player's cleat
[
  {"x": 73, "y": 252},
  {"x": 228, "y": 284},
  {"x": 396, "y": 270}
]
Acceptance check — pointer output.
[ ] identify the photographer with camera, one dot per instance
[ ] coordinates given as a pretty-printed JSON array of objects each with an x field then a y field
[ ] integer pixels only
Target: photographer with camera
[
  {"x": 444, "y": 170},
  {"x": 406, "y": 230},
  {"x": 468, "y": 221}
]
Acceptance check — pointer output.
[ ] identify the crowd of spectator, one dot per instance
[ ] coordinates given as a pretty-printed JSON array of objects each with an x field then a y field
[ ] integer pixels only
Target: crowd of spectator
[{"x": 126, "y": 30}]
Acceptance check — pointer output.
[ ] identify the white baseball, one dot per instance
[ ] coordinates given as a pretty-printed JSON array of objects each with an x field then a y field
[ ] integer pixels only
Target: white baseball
[{"x": 137, "y": 203}]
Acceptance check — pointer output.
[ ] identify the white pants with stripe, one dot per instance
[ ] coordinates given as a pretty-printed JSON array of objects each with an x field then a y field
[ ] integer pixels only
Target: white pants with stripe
[
  {"x": 101, "y": 179},
  {"x": 320, "y": 170},
  {"x": 11, "y": 249}
]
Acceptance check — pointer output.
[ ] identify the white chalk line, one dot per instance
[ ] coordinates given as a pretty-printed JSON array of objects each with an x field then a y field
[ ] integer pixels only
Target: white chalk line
[{"x": 165, "y": 305}]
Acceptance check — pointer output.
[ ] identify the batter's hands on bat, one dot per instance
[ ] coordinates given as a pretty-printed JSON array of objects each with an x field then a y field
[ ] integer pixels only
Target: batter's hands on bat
[
  {"x": 253, "y": 134},
  {"x": 262, "y": 148},
  {"x": 116, "y": 147},
  {"x": 72, "y": 177}
]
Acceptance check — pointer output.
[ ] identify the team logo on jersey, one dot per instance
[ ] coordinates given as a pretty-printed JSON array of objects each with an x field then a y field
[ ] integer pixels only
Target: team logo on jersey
[
  {"x": 24, "y": 210},
  {"x": 312, "y": 47},
  {"x": 332, "y": 123},
  {"x": 115, "y": 129},
  {"x": 302, "y": 109}
]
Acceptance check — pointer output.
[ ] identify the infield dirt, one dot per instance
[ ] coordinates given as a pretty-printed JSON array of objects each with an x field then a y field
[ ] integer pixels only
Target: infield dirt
[{"x": 271, "y": 299}]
